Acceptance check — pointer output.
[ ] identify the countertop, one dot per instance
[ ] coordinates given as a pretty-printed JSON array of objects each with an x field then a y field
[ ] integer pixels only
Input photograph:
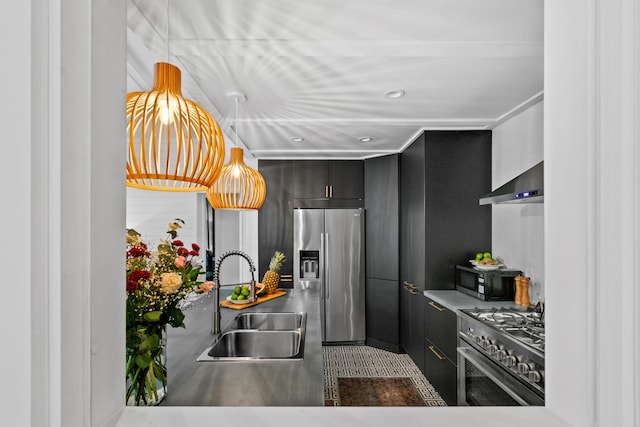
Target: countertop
[
  {"x": 456, "y": 300},
  {"x": 253, "y": 383}
]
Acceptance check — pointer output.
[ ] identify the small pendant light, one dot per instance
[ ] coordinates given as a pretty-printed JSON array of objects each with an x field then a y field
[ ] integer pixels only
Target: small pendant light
[
  {"x": 174, "y": 144},
  {"x": 239, "y": 187}
]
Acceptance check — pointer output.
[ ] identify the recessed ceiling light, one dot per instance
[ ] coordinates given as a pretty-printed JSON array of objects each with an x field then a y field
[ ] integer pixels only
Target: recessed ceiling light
[
  {"x": 365, "y": 139},
  {"x": 297, "y": 139},
  {"x": 394, "y": 94}
]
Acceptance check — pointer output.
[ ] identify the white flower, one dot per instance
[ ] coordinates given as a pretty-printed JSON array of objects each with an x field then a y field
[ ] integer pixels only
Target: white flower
[{"x": 170, "y": 282}]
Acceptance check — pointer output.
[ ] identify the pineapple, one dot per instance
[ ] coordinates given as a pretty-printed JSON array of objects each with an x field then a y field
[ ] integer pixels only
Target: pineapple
[{"x": 271, "y": 276}]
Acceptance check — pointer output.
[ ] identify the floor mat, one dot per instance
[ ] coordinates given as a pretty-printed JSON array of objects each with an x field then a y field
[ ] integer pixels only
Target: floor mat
[
  {"x": 361, "y": 361},
  {"x": 367, "y": 391}
]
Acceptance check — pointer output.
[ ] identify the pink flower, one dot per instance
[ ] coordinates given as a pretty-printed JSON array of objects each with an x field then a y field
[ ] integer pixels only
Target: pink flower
[
  {"x": 206, "y": 287},
  {"x": 181, "y": 262}
]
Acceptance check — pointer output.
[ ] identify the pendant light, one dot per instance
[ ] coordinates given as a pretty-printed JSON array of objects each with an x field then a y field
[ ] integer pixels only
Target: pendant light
[
  {"x": 239, "y": 187},
  {"x": 174, "y": 144}
]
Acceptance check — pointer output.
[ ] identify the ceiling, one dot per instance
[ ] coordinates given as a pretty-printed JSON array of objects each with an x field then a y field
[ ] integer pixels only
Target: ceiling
[{"x": 319, "y": 70}]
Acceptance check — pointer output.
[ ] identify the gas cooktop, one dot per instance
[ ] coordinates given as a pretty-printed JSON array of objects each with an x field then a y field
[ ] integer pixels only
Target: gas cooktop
[{"x": 524, "y": 326}]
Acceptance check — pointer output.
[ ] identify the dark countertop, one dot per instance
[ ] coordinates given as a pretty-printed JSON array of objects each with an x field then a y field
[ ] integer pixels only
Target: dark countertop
[
  {"x": 246, "y": 383},
  {"x": 456, "y": 300}
]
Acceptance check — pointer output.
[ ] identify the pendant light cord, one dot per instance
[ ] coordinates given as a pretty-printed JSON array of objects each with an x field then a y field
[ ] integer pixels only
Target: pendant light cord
[
  {"x": 167, "y": 34},
  {"x": 236, "y": 129}
]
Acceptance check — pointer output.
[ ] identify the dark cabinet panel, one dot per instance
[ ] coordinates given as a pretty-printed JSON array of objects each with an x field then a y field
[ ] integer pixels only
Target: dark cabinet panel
[
  {"x": 382, "y": 303},
  {"x": 275, "y": 217},
  {"x": 440, "y": 327},
  {"x": 346, "y": 179},
  {"x": 441, "y": 373},
  {"x": 412, "y": 324},
  {"x": 458, "y": 173},
  {"x": 328, "y": 179},
  {"x": 310, "y": 179},
  {"x": 382, "y": 210}
]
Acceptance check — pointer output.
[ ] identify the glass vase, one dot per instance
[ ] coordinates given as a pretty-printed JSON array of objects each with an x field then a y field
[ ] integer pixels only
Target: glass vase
[{"x": 146, "y": 366}]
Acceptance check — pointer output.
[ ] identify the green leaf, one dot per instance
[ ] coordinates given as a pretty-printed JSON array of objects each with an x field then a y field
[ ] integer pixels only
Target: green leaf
[
  {"x": 150, "y": 343},
  {"x": 177, "y": 318},
  {"x": 152, "y": 316},
  {"x": 143, "y": 360}
]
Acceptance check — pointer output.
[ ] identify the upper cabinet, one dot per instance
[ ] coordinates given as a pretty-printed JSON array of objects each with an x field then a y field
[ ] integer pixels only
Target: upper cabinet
[{"x": 328, "y": 179}]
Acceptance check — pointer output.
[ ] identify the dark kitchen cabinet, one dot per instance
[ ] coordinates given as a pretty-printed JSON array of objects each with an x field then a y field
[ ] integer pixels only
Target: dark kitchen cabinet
[
  {"x": 442, "y": 176},
  {"x": 328, "y": 179},
  {"x": 381, "y": 177},
  {"x": 275, "y": 218},
  {"x": 441, "y": 328},
  {"x": 441, "y": 342},
  {"x": 412, "y": 250},
  {"x": 441, "y": 373}
]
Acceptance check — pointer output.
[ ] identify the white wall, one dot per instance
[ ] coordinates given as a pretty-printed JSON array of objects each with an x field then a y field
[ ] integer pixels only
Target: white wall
[{"x": 518, "y": 230}]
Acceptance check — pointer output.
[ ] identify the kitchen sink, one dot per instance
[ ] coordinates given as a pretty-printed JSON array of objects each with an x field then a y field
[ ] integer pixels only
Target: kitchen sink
[
  {"x": 269, "y": 321},
  {"x": 256, "y": 336},
  {"x": 251, "y": 344}
]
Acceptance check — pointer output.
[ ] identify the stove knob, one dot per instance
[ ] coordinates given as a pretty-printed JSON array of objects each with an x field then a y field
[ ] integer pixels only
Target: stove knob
[
  {"x": 535, "y": 377},
  {"x": 493, "y": 349},
  {"x": 523, "y": 368},
  {"x": 501, "y": 355},
  {"x": 479, "y": 339},
  {"x": 486, "y": 343},
  {"x": 511, "y": 361}
]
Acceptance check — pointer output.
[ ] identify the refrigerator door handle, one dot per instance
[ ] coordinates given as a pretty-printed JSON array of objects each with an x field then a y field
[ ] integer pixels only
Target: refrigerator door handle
[
  {"x": 321, "y": 266},
  {"x": 326, "y": 261}
]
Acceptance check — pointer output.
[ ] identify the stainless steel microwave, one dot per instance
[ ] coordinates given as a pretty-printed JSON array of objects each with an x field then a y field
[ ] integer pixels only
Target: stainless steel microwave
[{"x": 493, "y": 285}]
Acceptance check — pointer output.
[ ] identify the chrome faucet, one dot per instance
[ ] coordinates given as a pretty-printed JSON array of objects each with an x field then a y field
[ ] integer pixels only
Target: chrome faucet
[{"x": 215, "y": 327}]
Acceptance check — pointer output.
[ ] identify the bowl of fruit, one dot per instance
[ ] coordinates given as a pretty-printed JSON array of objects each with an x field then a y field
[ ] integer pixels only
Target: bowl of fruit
[
  {"x": 484, "y": 261},
  {"x": 241, "y": 293}
]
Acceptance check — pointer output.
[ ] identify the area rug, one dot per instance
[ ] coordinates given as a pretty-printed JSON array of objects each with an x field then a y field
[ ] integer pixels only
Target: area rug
[{"x": 368, "y": 391}]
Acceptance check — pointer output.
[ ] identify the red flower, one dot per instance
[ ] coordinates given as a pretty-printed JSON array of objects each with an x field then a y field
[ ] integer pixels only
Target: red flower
[
  {"x": 138, "y": 251},
  {"x": 134, "y": 279},
  {"x": 194, "y": 253},
  {"x": 182, "y": 251},
  {"x": 177, "y": 243},
  {"x": 195, "y": 247}
]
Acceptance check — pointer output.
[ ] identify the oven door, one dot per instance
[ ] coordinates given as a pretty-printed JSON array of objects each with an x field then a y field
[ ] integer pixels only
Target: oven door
[{"x": 483, "y": 383}]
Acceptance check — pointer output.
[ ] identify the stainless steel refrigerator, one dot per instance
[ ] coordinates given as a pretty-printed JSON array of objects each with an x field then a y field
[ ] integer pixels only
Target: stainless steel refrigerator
[{"x": 328, "y": 248}]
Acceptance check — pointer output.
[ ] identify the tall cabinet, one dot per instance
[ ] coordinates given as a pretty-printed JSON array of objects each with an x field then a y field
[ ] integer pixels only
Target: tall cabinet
[
  {"x": 381, "y": 177},
  {"x": 442, "y": 176}
]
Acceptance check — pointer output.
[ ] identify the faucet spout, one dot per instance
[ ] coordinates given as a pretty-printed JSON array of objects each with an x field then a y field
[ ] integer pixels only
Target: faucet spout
[{"x": 215, "y": 327}]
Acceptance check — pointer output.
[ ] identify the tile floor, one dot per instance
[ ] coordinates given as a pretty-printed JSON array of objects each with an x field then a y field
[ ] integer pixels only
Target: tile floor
[{"x": 365, "y": 361}]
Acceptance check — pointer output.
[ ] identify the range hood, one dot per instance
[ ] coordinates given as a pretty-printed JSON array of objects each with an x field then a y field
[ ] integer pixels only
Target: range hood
[{"x": 528, "y": 187}]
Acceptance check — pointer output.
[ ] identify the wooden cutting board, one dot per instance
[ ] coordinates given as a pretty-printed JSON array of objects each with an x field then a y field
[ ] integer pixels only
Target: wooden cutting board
[{"x": 261, "y": 299}]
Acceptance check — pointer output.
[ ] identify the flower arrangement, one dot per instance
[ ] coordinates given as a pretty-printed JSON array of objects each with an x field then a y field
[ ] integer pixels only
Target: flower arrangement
[{"x": 156, "y": 284}]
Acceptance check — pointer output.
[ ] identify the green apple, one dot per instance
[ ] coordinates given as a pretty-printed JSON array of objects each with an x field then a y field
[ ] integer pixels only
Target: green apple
[
  {"x": 479, "y": 256},
  {"x": 487, "y": 255}
]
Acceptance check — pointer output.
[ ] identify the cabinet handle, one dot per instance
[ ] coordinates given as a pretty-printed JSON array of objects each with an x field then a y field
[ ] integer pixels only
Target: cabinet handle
[
  {"x": 433, "y": 304},
  {"x": 438, "y": 355},
  {"x": 331, "y": 191},
  {"x": 326, "y": 191},
  {"x": 286, "y": 278},
  {"x": 409, "y": 285}
]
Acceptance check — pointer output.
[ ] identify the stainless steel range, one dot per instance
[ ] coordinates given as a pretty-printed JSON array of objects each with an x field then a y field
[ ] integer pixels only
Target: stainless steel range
[{"x": 500, "y": 358}]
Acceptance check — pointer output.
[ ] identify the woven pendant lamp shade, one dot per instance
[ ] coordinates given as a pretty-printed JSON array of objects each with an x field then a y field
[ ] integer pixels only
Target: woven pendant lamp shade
[
  {"x": 174, "y": 144},
  {"x": 239, "y": 187}
]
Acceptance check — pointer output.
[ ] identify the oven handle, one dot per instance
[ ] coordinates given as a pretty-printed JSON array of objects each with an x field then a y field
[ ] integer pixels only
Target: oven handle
[{"x": 487, "y": 370}]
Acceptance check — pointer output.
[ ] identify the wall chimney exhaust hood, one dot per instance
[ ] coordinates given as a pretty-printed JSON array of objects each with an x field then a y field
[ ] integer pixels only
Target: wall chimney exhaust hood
[{"x": 528, "y": 187}]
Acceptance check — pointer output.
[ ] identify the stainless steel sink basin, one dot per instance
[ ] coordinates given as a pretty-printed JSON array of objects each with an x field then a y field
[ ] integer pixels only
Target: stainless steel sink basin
[
  {"x": 269, "y": 321},
  {"x": 239, "y": 345},
  {"x": 255, "y": 336}
]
